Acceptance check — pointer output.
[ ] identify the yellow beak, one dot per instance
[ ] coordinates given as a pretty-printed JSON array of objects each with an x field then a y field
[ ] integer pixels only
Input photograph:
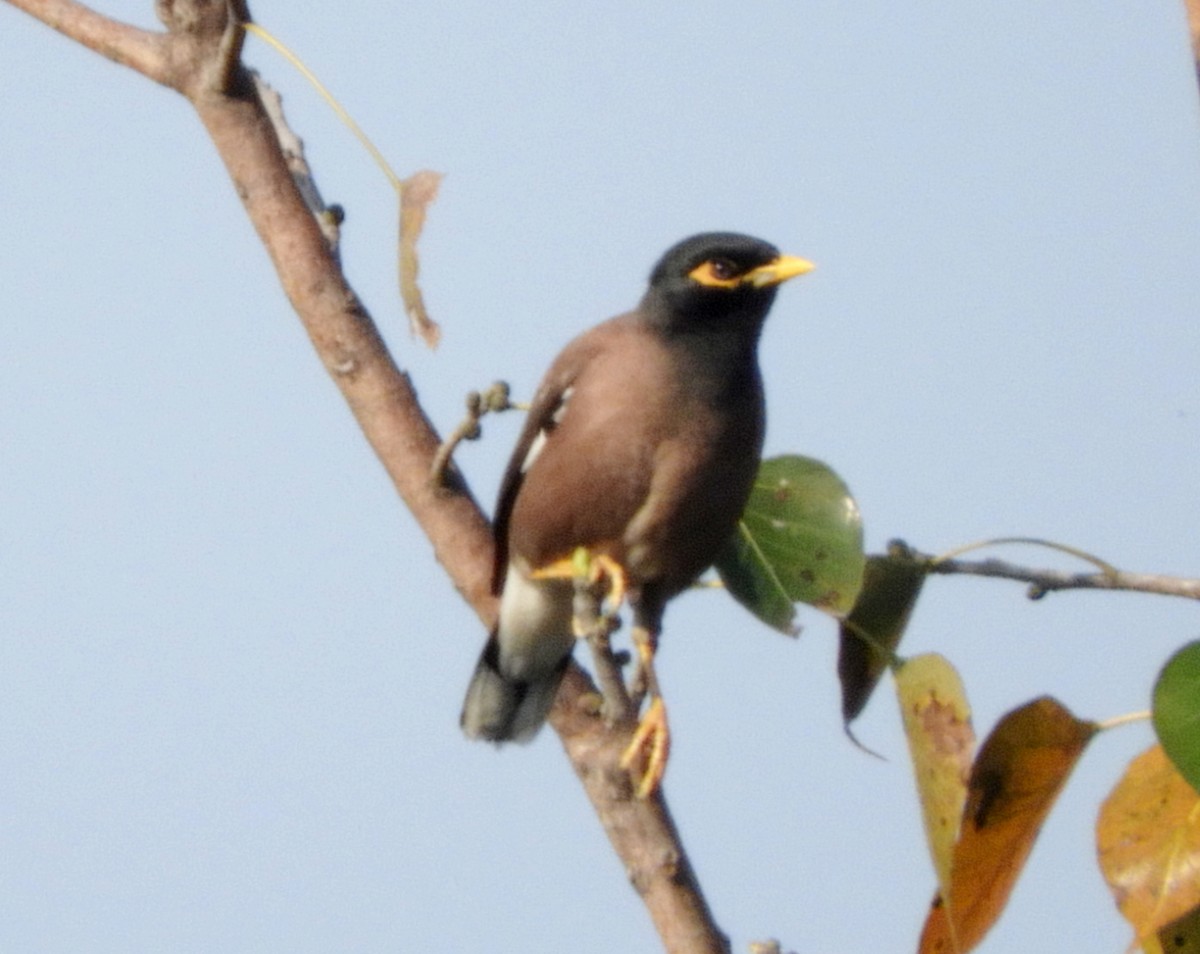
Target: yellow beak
[{"x": 780, "y": 270}]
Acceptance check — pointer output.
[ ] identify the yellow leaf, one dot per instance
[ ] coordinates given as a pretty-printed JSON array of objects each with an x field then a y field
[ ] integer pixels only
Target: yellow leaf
[
  {"x": 937, "y": 722},
  {"x": 1021, "y": 768},
  {"x": 1148, "y": 838}
]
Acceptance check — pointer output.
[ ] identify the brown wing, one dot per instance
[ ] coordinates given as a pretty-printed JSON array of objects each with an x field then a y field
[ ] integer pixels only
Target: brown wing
[
  {"x": 592, "y": 470},
  {"x": 548, "y": 403}
]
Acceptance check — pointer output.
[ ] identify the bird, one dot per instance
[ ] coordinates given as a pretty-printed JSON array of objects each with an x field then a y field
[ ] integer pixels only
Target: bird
[{"x": 640, "y": 450}]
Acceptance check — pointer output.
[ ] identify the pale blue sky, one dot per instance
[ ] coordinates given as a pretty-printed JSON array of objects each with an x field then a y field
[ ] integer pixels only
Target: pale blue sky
[{"x": 230, "y": 672}]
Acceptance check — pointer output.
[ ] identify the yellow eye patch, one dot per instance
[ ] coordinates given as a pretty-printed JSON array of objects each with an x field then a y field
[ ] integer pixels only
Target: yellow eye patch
[
  {"x": 717, "y": 273},
  {"x": 723, "y": 273}
]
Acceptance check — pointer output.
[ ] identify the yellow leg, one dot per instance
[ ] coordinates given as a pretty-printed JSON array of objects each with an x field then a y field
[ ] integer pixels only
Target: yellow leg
[{"x": 645, "y": 758}]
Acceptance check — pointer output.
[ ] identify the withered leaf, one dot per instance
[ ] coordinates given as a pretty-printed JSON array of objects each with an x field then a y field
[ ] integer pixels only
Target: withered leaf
[
  {"x": 1020, "y": 769},
  {"x": 1181, "y": 936},
  {"x": 416, "y": 194}
]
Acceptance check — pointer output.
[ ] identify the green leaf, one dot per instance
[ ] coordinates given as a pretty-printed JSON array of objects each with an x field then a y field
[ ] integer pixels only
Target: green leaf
[
  {"x": 799, "y": 541},
  {"x": 868, "y": 637},
  {"x": 1177, "y": 711}
]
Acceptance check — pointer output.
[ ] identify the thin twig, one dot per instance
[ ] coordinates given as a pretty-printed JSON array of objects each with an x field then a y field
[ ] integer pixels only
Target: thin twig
[
  {"x": 1102, "y": 565},
  {"x": 597, "y": 627},
  {"x": 494, "y": 399},
  {"x": 1042, "y": 581},
  {"x": 1127, "y": 719}
]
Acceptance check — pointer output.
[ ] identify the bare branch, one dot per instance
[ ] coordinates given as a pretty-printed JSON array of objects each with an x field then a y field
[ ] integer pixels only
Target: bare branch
[
  {"x": 139, "y": 50},
  {"x": 1042, "y": 581},
  {"x": 198, "y": 56}
]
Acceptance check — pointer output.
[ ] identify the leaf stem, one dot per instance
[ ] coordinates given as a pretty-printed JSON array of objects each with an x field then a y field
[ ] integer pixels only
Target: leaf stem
[{"x": 337, "y": 107}]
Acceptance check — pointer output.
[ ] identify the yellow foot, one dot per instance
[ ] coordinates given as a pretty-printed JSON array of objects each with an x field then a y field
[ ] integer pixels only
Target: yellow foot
[
  {"x": 591, "y": 568},
  {"x": 645, "y": 758}
]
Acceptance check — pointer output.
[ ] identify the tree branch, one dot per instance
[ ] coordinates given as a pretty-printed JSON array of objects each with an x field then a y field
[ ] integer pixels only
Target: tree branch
[
  {"x": 139, "y": 50},
  {"x": 1043, "y": 581},
  {"x": 199, "y": 57}
]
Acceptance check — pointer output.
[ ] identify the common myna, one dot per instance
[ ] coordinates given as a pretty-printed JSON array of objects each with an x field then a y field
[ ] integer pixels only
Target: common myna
[{"x": 640, "y": 448}]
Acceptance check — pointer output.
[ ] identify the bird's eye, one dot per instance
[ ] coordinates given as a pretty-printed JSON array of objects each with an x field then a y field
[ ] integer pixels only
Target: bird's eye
[
  {"x": 718, "y": 272},
  {"x": 723, "y": 269}
]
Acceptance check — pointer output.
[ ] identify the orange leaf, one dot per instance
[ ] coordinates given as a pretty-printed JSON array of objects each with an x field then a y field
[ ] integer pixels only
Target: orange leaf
[
  {"x": 937, "y": 722},
  {"x": 1148, "y": 838},
  {"x": 416, "y": 194},
  {"x": 1018, "y": 774}
]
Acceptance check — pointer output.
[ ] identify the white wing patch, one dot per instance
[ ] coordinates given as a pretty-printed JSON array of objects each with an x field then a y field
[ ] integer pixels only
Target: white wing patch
[{"x": 539, "y": 439}]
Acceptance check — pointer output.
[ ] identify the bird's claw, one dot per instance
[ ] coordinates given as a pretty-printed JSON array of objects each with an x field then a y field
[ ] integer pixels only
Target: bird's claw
[
  {"x": 645, "y": 758},
  {"x": 594, "y": 567},
  {"x": 588, "y": 569}
]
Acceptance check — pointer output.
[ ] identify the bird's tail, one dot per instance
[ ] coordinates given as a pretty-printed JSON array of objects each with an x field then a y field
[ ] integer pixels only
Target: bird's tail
[{"x": 499, "y": 708}]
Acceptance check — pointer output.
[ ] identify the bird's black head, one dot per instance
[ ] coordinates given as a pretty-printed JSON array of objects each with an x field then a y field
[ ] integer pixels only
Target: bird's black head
[{"x": 717, "y": 280}]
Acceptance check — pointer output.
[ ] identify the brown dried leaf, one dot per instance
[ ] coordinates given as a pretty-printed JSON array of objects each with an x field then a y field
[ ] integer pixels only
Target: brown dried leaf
[
  {"x": 1021, "y": 768},
  {"x": 1181, "y": 936},
  {"x": 937, "y": 722},
  {"x": 1148, "y": 838},
  {"x": 416, "y": 194}
]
